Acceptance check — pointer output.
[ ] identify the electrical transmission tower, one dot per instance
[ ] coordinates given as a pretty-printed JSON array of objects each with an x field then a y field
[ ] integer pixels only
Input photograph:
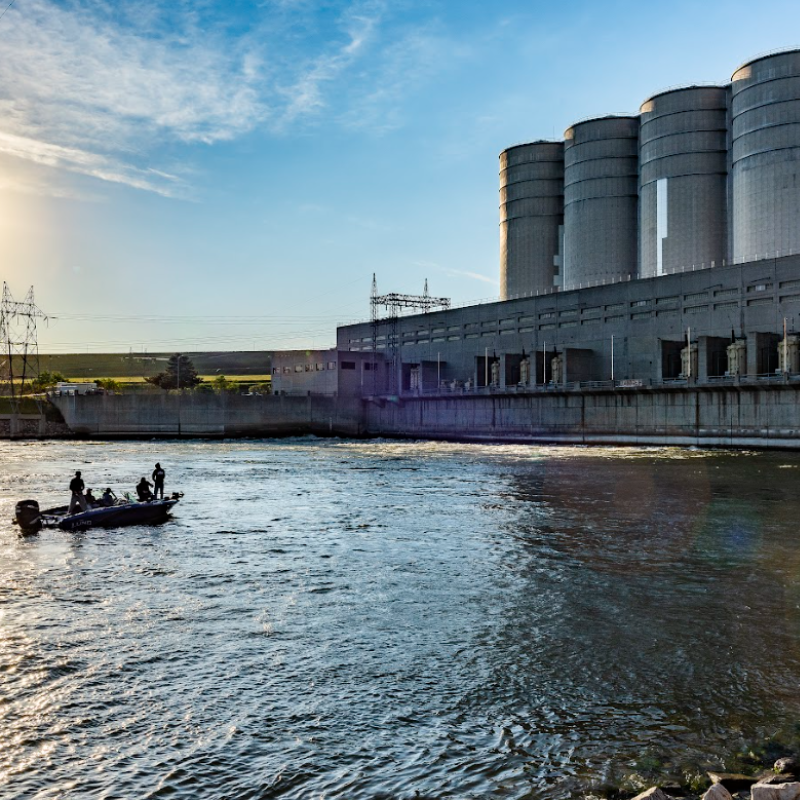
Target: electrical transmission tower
[
  {"x": 394, "y": 303},
  {"x": 19, "y": 359}
]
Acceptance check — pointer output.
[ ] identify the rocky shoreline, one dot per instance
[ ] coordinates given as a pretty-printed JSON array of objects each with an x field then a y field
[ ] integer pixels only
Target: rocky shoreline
[{"x": 782, "y": 782}]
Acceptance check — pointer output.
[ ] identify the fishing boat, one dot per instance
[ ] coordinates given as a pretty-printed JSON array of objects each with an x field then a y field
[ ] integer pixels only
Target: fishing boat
[{"x": 123, "y": 512}]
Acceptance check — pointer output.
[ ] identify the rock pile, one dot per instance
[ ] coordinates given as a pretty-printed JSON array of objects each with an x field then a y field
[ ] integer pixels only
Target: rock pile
[{"x": 780, "y": 783}]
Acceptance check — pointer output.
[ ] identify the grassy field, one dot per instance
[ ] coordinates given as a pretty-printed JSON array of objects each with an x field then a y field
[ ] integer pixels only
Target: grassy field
[
  {"x": 127, "y": 379},
  {"x": 91, "y": 366}
]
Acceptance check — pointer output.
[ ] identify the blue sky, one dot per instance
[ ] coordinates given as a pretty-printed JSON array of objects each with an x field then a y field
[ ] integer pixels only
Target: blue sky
[{"x": 198, "y": 175}]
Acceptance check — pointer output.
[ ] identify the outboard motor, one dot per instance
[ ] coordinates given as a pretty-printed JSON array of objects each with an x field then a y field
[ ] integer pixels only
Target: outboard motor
[{"x": 27, "y": 515}]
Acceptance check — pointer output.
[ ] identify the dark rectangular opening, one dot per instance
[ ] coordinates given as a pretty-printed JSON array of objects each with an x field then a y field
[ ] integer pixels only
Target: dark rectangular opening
[
  {"x": 768, "y": 358},
  {"x": 513, "y": 360},
  {"x": 671, "y": 359},
  {"x": 406, "y": 379}
]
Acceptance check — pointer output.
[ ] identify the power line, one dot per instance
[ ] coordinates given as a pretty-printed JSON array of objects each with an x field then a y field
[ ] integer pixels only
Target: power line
[{"x": 6, "y": 9}]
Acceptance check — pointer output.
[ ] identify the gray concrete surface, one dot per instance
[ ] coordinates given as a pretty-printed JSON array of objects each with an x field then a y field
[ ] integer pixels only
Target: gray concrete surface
[
  {"x": 531, "y": 215},
  {"x": 601, "y": 201},
  {"x": 204, "y": 415},
  {"x": 767, "y": 417},
  {"x": 730, "y": 416},
  {"x": 765, "y": 156},
  {"x": 683, "y": 174},
  {"x": 646, "y": 322}
]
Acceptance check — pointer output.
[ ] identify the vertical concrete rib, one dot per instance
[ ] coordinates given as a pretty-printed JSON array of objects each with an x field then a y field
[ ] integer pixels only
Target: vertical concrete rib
[
  {"x": 601, "y": 197},
  {"x": 531, "y": 211},
  {"x": 683, "y": 180}
]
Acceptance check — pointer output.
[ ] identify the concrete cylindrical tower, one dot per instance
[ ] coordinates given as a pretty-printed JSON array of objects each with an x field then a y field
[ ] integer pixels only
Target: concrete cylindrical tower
[
  {"x": 531, "y": 211},
  {"x": 601, "y": 197},
  {"x": 683, "y": 163},
  {"x": 765, "y": 156}
]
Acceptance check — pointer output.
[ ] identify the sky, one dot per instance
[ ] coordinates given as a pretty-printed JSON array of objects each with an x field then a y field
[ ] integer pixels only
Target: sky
[{"x": 205, "y": 175}]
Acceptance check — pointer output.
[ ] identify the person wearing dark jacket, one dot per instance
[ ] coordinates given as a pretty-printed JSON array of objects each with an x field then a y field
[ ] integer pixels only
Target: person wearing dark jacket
[
  {"x": 158, "y": 481},
  {"x": 77, "y": 501},
  {"x": 143, "y": 490}
]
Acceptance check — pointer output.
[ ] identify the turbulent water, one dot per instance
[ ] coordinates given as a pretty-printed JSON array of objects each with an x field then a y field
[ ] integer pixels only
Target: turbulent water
[{"x": 332, "y": 619}]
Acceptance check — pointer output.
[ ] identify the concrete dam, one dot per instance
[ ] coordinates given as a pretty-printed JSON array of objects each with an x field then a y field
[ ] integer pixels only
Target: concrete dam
[{"x": 742, "y": 415}]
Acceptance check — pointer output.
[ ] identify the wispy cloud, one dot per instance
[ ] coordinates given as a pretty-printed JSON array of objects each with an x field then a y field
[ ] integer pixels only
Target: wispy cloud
[
  {"x": 83, "y": 91},
  {"x": 102, "y": 88},
  {"x": 458, "y": 273},
  {"x": 87, "y": 163},
  {"x": 404, "y": 64}
]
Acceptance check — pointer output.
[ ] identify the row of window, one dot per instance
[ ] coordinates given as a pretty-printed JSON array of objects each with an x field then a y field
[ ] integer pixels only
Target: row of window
[
  {"x": 610, "y": 318},
  {"x": 591, "y": 315},
  {"x": 316, "y": 367}
]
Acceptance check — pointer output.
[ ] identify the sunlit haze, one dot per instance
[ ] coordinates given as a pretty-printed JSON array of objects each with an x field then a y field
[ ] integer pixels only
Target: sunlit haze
[{"x": 196, "y": 175}]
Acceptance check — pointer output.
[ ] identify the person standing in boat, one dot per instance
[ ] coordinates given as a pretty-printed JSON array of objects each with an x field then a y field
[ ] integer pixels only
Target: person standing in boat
[
  {"x": 76, "y": 486},
  {"x": 158, "y": 481}
]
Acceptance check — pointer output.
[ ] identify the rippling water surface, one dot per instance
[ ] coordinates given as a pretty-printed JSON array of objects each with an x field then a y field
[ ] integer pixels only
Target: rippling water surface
[{"x": 331, "y": 619}]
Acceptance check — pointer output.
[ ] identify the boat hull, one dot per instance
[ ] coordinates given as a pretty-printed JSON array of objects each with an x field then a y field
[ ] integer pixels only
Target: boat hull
[{"x": 118, "y": 516}]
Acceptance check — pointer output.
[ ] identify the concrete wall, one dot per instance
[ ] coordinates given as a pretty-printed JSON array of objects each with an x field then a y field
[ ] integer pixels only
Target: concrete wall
[
  {"x": 531, "y": 213},
  {"x": 765, "y": 156},
  {"x": 749, "y": 300},
  {"x": 732, "y": 417},
  {"x": 304, "y": 371},
  {"x": 683, "y": 179},
  {"x": 32, "y": 426},
  {"x": 601, "y": 201},
  {"x": 203, "y": 415}
]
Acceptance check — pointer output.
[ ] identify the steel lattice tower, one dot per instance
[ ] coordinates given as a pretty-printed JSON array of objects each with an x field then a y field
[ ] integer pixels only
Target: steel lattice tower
[
  {"x": 394, "y": 303},
  {"x": 19, "y": 360}
]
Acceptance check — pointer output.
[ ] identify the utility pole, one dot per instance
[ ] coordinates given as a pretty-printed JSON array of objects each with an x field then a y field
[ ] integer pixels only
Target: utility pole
[
  {"x": 18, "y": 340},
  {"x": 689, "y": 353},
  {"x": 785, "y": 348},
  {"x": 180, "y": 392},
  {"x": 544, "y": 363}
]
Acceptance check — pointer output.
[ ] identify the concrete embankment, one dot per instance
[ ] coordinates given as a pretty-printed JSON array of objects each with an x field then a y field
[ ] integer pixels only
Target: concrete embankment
[
  {"x": 209, "y": 415},
  {"x": 731, "y": 416},
  {"x": 32, "y": 426}
]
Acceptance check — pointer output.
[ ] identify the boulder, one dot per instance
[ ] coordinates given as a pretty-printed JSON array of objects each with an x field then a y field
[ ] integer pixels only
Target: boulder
[
  {"x": 787, "y": 766},
  {"x": 653, "y": 793},
  {"x": 775, "y": 791},
  {"x": 717, "y": 792},
  {"x": 732, "y": 781},
  {"x": 775, "y": 777}
]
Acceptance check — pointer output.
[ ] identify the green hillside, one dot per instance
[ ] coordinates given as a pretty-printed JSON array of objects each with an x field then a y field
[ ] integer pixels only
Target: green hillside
[{"x": 88, "y": 366}]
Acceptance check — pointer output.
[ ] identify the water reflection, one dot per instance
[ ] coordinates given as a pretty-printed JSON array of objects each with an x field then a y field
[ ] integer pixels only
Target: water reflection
[{"x": 649, "y": 607}]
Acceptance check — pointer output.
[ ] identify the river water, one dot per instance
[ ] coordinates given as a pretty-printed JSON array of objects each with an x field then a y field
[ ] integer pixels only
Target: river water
[{"x": 334, "y": 619}]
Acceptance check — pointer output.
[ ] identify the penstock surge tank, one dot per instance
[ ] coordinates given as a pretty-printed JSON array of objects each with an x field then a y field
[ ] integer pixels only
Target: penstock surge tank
[
  {"x": 601, "y": 196},
  {"x": 531, "y": 213},
  {"x": 765, "y": 156},
  {"x": 683, "y": 157}
]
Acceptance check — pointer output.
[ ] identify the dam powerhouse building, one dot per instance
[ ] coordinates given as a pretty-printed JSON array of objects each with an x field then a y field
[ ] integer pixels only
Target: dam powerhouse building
[{"x": 662, "y": 247}]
